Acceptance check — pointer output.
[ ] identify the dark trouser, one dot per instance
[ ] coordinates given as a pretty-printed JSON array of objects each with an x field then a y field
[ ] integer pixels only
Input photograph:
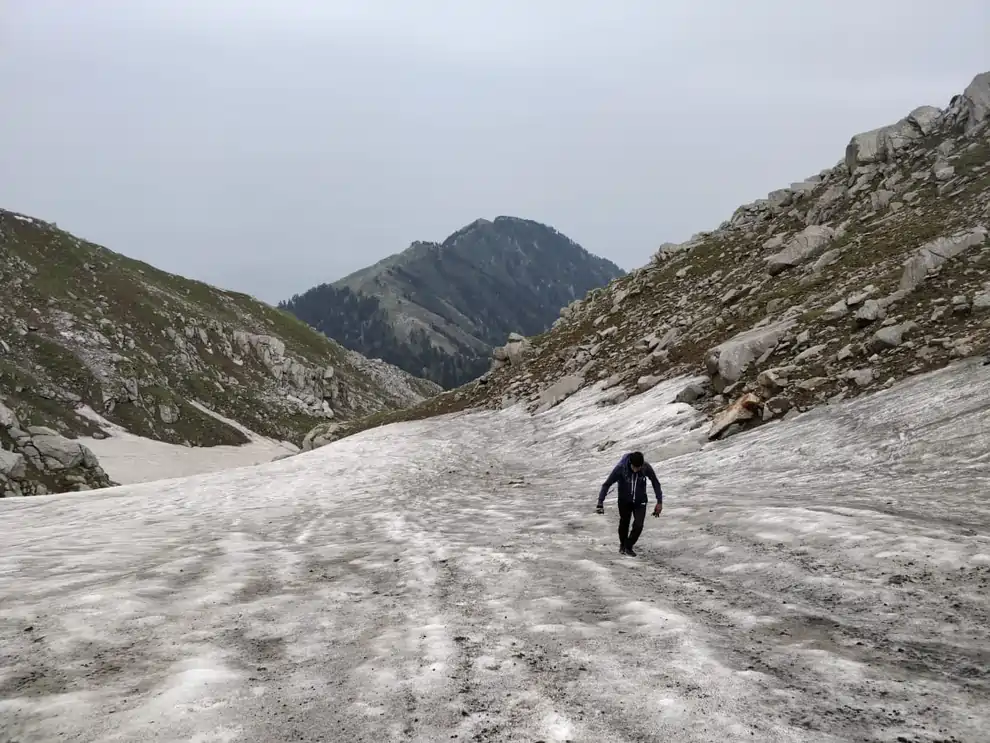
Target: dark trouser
[{"x": 638, "y": 514}]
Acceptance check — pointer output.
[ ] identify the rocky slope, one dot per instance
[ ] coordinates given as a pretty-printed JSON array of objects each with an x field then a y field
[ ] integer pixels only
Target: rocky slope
[
  {"x": 81, "y": 326},
  {"x": 437, "y": 309},
  {"x": 869, "y": 271}
]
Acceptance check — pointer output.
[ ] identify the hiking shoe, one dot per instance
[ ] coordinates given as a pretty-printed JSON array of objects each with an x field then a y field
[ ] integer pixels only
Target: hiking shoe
[
  {"x": 629, "y": 551},
  {"x": 622, "y": 550}
]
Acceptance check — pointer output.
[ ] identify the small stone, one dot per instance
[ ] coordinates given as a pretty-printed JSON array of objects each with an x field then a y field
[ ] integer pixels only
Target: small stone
[
  {"x": 812, "y": 384},
  {"x": 870, "y": 312},
  {"x": 647, "y": 382},
  {"x": 861, "y": 377}
]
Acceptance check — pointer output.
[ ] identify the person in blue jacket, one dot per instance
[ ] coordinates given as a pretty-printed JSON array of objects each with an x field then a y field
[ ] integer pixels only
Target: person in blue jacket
[{"x": 631, "y": 474}]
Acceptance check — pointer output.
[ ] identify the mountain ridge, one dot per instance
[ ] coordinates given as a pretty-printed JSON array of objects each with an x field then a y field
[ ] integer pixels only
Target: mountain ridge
[{"x": 437, "y": 309}]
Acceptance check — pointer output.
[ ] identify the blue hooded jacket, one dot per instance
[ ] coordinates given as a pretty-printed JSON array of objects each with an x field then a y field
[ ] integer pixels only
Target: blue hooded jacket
[{"x": 632, "y": 485}]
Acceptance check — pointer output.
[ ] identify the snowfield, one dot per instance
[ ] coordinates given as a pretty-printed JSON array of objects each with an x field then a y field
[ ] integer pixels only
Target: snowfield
[
  {"x": 130, "y": 459},
  {"x": 824, "y": 579}
]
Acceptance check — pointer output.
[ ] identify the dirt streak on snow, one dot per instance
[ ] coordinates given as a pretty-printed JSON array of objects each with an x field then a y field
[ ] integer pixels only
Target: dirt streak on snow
[
  {"x": 818, "y": 580},
  {"x": 131, "y": 459}
]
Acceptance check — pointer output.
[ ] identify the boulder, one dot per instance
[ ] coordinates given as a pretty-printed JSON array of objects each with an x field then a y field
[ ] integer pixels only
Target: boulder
[
  {"x": 320, "y": 435},
  {"x": 169, "y": 413},
  {"x": 776, "y": 406},
  {"x": 559, "y": 391},
  {"x": 743, "y": 409},
  {"x": 933, "y": 254},
  {"x": 729, "y": 360},
  {"x": 807, "y": 244},
  {"x": 870, "y": 312},
  {"x": 846, "y": 352},
  {"x": 615, "y": 397},
  {"x": 883, "y": 144},
  {"x": 691, "y": 393},
  {"x": 889, "y": 337},
  {"x": 861, "y": 377},
  {"x": 7, "y": 417},
  {"x": 647, "y": 383},
  {"x": 836, "y": 311},
  {"x": 59, "y": 453},
  {"x": 776, "y": 379},
  {"x": 514, "y": 352},
  {"x": 12, "y": 465},
  {"x": 972, "y": 108}
]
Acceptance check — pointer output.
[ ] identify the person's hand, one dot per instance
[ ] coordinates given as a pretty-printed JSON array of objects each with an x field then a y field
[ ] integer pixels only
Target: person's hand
[
  {"x": 658, "y": 509},
  {"x": 599, "y": 508}
]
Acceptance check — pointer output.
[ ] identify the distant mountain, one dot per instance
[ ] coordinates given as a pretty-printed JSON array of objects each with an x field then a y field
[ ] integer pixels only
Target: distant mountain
[
  {"x": 437, "y": 310},
  {"x": 84, "y": 330}
]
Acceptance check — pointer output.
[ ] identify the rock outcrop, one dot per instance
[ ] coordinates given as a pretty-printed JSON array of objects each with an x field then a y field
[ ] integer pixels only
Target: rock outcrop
[{"x": 36, "y": 460}]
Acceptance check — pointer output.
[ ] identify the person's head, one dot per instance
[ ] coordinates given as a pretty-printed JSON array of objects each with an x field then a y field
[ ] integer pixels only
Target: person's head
[{"x": 636, "y": 461}]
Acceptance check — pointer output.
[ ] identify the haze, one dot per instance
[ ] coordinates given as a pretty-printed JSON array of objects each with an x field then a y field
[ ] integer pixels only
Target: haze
[{"x": 267, "y": 147}]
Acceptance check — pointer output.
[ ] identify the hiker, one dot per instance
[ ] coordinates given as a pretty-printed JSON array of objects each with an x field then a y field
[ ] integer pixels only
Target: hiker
[{"x": 631, "y": 473}]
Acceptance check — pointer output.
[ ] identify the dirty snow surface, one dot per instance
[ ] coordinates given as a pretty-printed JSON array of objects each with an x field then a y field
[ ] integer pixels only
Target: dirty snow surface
[{"x": 824, "y": 579}]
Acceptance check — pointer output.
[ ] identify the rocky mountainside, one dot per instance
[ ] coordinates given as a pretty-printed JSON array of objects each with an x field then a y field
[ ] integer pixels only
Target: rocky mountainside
[
  {"x": 870, "y": 271},
  {"x": 438, "y": 309},
  {"x": 82, "y": 327}
]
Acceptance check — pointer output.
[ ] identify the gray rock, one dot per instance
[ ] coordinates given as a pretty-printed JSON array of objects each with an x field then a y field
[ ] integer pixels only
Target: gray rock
[
  {"x": 846, "y": 352},
  {"x": 12, "y": 465},
  {"x": 612, "y": 381},
  {"x": 608, "y": 332},
  {"x": 861, "y": 296},
  {"x": 61, "y": 453},
  {"x": 42, "y": 431},
  {"x": 321, "y": 435},
  {"x": 774, "y": 380},
  {"x": 559, "y": 391},
  {"x": 862, "y": 377},
  {"x": 807, "y": 244},
  {"x": 889, "y": 337},
  {"x": 691, "y": 393},
  {"x": 870, "y": 312},
  {"x": 883, "y": 144},
  {"x": 944, "y": 173},
  {"x": 169, "y": 413},
  {"x": 836, "y": 311},
  {"x": 774, "y": 243},
  {"x": 7, "y": 417},
  {"x": 972, "y": 108},
  {"x": 730, "y": 359},
  {"x": 778, "y": 405},
  {"x": 615, "y": 397},
  {"x": 812, "y": 384},
  {"x": 811, "y": 352},
  {"x": 826, "y": 259},
  {"x": 981, "y": 302},
  {"x": 933, "y": 254},
  {"x": 648, "y": 383},
  {"x": 880, "y": 199}
]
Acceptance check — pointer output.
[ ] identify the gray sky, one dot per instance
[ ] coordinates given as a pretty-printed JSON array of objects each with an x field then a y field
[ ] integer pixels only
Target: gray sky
[{"x": 270, "y": 146}]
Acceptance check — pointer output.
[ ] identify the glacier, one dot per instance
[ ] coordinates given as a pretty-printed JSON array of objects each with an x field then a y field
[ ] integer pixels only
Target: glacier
[{"x": 819, "y": 579}]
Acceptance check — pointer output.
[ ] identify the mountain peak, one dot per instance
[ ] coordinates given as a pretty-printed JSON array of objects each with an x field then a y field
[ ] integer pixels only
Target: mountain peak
[{"x": 440, "y": 308}]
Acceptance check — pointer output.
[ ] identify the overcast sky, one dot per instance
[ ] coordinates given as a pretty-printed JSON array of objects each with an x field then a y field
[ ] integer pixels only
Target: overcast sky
[{"x": 270, "y": 146}]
